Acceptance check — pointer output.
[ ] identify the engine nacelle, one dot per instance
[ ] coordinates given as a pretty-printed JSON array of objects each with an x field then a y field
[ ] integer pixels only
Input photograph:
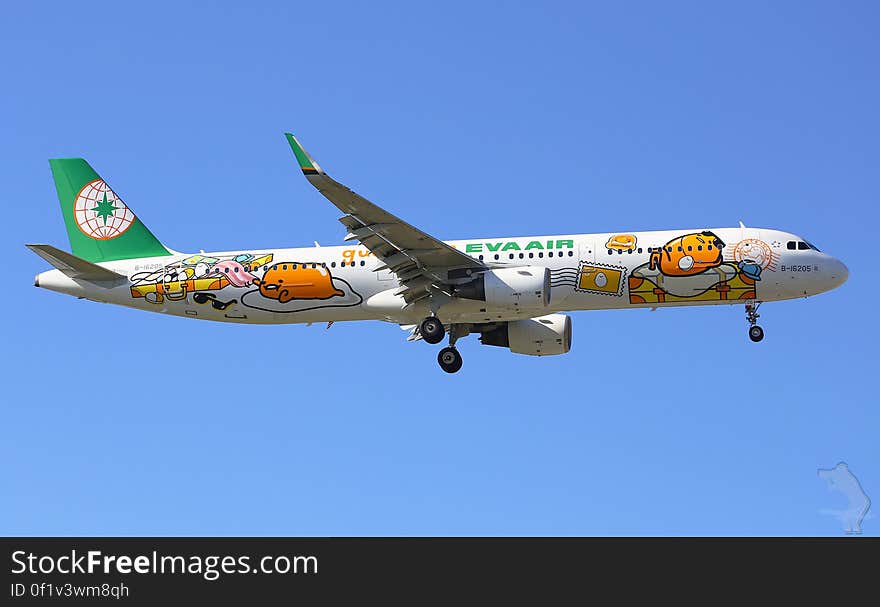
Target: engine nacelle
[
  {"x": 542, "y": 336},
  {"x": 527, "y": 287}
]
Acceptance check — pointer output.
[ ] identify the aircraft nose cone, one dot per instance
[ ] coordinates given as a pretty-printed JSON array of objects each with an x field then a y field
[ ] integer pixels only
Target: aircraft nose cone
[{"x": 839, "y": 272}]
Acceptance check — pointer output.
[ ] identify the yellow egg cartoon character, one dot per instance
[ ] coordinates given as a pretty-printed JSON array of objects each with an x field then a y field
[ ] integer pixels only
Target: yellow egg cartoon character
[
  {"x": 622, "y": 242},
  {"x": 288, "y": 281},
  {"x": 688, "y": 255}
]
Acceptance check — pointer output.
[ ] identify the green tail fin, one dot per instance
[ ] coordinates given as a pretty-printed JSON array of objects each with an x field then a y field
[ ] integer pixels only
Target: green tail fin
[{"x": 99, "y": 225}]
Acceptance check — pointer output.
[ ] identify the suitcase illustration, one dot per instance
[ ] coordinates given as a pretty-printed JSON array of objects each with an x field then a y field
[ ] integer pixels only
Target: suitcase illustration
[{"x": 722, "y": 283}]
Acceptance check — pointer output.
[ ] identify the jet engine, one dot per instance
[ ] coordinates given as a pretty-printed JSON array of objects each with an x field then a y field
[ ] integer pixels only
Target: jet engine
[
  {"x": 542, "y": 336},
  {"x": 525, "y": 286}
]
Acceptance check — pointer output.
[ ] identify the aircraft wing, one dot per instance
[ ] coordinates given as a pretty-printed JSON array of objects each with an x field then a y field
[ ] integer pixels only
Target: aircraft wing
[{"x": 420, "y": 261}]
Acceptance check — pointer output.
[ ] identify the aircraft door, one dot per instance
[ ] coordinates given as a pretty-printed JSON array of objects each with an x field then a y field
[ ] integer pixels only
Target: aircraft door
[{"x": 586, "y": 252}]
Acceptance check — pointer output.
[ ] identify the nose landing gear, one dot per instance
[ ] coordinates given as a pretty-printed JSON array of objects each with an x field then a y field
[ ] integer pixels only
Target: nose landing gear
[{"x": 756, "y": 333}]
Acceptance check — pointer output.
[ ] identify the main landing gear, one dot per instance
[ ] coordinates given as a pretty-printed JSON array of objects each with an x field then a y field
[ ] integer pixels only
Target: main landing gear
[
  {"x": 756, "y": 333},
  {"x": 449, "y": 359},
  {"x": 432, "y": 331}
]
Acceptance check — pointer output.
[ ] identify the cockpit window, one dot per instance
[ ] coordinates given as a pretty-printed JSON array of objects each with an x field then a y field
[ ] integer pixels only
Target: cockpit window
[{"x": 800, "y": 245}]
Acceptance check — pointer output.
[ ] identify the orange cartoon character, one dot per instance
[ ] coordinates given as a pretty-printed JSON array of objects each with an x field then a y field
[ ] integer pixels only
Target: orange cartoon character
[
  {"x": 688, "y": 255},
  {"x": 288, "y": 281}
]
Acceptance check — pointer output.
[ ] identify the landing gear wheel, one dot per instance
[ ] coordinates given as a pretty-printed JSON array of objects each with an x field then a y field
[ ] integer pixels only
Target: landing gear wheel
[
  {"x": 432, "y": 330},
  {"x": 756, "y": 333},
  {"x": 449, "y": 359}
]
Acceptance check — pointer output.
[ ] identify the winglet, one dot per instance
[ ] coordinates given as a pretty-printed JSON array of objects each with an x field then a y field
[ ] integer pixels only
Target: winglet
[{"x": 306, "y": 163}]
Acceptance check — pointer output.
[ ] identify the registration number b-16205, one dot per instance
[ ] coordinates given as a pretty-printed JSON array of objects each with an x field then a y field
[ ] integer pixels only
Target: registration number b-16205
[{"x": 794, "y": 268}]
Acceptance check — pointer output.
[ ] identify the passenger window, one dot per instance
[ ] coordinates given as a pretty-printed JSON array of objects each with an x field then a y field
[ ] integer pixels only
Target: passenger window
[
  {"x": 496, "y": 255},
  {"x": 571, "y": 253},
  {"x": 610, "y": 251},
  {"x": 332, "y": 264},
  {"x": 531, "y": 255},
  {"x": 363, "y": 263},
  {"x": 521, "y": 255},
  {"x": 640, "y": 249},
  {"x": 510, "y": 256},
  {"x": 709, "y": 247},
  {"x": 540, "y": 254},
  {"x": 791, "y": 245}
]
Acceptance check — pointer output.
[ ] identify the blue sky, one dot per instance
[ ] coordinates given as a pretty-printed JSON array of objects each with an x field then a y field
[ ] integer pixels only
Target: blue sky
[{"x": 470, "y": 119}]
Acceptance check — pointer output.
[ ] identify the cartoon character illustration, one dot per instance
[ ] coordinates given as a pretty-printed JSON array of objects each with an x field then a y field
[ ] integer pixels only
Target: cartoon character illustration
[
  {"x": 622, "y": 242},
  {"x": 273, "y": 287},
  {"x": 595, "y": 278},
  {"x": 234, "y": 272},
  {"x": 196, "y": 274},
  {"x": 173, "y": 283},
  {"x": 752, "y": 256},
  {"x": 691, "y": 268},
  {"x": 688, "y": 255},
  {"x": 289, "y": 281}
]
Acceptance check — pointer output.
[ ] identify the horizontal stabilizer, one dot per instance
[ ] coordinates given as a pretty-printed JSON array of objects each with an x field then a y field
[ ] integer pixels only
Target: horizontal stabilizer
[{"x": 73, "y": 266}]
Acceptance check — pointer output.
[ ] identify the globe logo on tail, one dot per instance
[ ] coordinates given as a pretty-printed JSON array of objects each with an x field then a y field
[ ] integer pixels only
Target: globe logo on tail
[{"x": 99, "y": 213}]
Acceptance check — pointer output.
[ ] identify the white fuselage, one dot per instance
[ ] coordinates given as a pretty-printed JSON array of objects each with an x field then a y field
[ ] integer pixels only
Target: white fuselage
[{"x": 588, "y": 272}]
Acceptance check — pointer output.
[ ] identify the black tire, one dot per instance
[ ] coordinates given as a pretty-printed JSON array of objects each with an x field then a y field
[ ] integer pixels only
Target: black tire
[
  {"x": 756, "y": 333},
  {"x": 432, "y": 330},
  {"x": 449, "y": 359}
]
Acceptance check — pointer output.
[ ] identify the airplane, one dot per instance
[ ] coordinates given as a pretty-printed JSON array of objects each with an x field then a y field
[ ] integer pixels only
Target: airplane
[{"x": 512, "y": 291}]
